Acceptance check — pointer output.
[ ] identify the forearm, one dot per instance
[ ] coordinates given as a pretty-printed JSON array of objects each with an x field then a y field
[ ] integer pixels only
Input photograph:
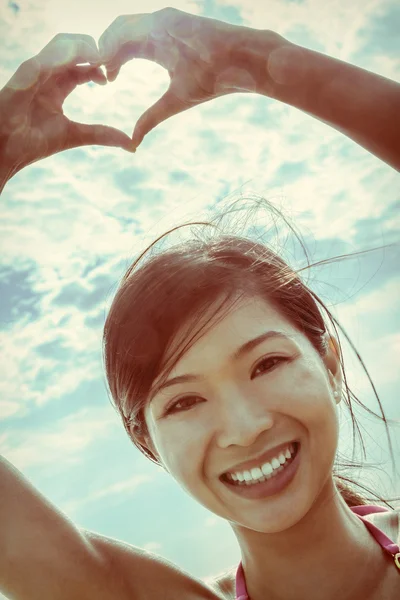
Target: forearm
[
  {"x": 362, "y": 105},
  {"x": 14, "y": 492}
]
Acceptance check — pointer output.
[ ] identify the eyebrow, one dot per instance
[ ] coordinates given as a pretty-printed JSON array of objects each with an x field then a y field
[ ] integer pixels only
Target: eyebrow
[{"x": 239, "y": 353}]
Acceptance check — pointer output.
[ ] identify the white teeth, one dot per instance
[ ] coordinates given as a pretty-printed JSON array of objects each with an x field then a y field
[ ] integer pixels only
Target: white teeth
[
  {"x": 256, "y": 473},
  {"x": 275, "y": 463},
  {"x": 267, "y": 469}
]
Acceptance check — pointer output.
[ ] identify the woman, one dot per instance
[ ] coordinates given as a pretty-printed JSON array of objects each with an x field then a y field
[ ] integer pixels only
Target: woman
[{"x": 217, "y": 355}]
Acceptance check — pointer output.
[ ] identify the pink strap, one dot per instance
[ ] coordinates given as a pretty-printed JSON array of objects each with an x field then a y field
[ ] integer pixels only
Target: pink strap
[
  {"x": 241, "y": 592},
  {"x": 386, "y": 543}
]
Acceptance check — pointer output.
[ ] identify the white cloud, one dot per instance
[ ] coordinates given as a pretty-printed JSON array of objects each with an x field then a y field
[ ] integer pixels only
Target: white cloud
[
  {"x": 27, "y": 378},
  {"x": 8, "y": 409},
  {"x": 338, "y": 26},
  {"x": 115, "y": 491},
  {"x": 377, "y": 303},
  {"x": 364, "y": 319},
  {"x": 62, "y": 442}
]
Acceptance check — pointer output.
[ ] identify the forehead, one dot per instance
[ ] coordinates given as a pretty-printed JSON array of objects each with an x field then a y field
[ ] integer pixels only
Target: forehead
[{"x": 246, "y": 319}]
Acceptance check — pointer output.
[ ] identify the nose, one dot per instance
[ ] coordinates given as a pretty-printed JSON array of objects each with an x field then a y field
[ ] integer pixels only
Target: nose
[{"x": 241, "y": 419}]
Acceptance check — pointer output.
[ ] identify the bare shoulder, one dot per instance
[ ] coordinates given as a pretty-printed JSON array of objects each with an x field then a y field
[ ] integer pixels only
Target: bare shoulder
[
  {"x": 146, "y": 575},
  {"x": 225, "y": 584}
]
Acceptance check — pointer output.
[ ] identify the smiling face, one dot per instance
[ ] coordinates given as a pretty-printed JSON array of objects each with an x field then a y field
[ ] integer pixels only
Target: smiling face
[{"x": 239, "y": 404}]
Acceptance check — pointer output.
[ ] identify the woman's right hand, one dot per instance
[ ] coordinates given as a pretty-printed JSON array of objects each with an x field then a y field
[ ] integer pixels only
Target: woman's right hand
[{"x": 33, "y": 124}]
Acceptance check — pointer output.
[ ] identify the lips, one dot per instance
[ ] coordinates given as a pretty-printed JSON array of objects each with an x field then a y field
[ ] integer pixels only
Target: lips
[
  {"x": 267, "y": 456},
  {"x": 273, "y": 485}
]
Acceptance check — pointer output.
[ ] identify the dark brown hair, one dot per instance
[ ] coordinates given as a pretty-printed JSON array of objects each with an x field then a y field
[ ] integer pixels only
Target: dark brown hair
[{"x": 165, "y": 290}]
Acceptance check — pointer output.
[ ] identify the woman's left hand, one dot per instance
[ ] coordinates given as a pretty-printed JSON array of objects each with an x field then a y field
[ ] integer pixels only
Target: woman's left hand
[
  {"x": 33, "y": 124},
  {"x": 198, "y": 53}
]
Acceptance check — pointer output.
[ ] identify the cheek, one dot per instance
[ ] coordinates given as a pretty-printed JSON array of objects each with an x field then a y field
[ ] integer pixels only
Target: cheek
[
  {"x": 172, "y": 443},
  {"x": 304, "y": 391},
  {"x": 318, "y": 408},
  {"x": 181, "y": 448}
]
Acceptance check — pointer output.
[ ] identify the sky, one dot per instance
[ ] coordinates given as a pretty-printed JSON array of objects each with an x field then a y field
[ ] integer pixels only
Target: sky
[{"x": 72, "y": 224}]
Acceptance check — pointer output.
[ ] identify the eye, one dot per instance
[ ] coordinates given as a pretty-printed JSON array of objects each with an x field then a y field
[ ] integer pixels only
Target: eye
[
  {"x": 267, "y": 364},
  {"x": 187, "y": 402},
  {"x": 181, "y": 404}
]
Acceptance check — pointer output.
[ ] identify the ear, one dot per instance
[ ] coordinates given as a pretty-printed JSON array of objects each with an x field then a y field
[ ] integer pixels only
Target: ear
[{"x": 333, "y": 365}]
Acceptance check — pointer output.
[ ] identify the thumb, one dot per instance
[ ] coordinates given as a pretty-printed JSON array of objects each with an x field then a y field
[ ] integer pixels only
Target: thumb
[
  {"x": 81, "y": 134},
  {"x": 167, "y": 106}
]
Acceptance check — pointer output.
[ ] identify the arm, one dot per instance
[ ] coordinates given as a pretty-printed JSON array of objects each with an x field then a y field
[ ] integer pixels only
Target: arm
[
  {"x": 43, "y": 555},
  {"x": 362, "y": 105},
  {"x": 207, "y": 58}
]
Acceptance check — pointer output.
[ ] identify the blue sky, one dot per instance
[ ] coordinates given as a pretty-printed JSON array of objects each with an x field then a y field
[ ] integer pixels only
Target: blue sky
[{"x": 71, "y": 225}]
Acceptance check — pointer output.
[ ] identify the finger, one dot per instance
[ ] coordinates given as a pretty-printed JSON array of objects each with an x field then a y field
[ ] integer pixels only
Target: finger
[
  {"x": 85, "y": 74},
  {"x": 124, "y": 29},
  {"x": 81, "y": 134},
  {"x": 128, "y": 37},
  {"x": 128, "y": 50},
  {"x": 77, "y": 76},
  {"x": 124, "y": 55},
  {"x": 67, "y": 49},
  {"x": 167, "y": 106},
  {"x": 95, "y": 74},
  {"x": 27, "y": 76},
  {"x": 112, "y": 74}
]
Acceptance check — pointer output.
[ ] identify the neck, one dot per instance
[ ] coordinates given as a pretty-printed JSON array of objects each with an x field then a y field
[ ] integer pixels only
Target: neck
[{"x": 328, "y": 554}]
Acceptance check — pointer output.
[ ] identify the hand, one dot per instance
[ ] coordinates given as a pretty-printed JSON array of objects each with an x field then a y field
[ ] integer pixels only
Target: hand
[
  {"x": 33, "y": 125},
  {"x": 197, "y": 52}
]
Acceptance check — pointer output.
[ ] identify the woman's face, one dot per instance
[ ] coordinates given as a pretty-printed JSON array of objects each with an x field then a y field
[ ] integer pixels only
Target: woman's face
[{"x": 235, "y": 408}]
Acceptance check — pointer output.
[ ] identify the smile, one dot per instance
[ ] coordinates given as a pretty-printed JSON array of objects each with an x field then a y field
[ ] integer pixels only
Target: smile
[
  {"x": 265, "y": 470},
  {"x": 256, "y": 484}
]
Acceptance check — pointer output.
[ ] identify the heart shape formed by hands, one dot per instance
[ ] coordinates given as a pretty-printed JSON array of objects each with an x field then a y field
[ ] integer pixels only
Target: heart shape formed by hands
[{"x": 204, "y": 59}]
